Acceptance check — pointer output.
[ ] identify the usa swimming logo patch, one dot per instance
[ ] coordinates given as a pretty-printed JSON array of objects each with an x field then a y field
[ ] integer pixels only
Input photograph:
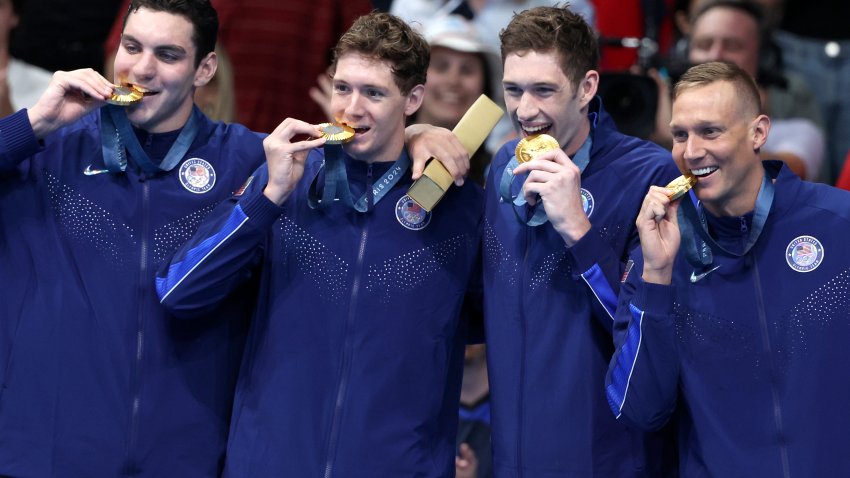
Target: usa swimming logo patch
[
  {"x": 804, "y": 254},
  {"x": 411, "y": 215},
  {"x": 197, "y": 175},
  {"x": 587, "y": 202}
]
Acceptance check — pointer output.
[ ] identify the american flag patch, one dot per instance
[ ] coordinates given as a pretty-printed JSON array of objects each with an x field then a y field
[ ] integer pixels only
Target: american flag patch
[{"x": 242, "y": 189}]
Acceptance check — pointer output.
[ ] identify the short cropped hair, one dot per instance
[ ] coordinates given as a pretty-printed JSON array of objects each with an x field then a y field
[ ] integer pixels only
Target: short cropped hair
[
  {"x": 200, "y": 13},
  {"x": 545, "y": 29},
  {"x": 386, "y": 37},
  {"x": 714, "y": 71}
]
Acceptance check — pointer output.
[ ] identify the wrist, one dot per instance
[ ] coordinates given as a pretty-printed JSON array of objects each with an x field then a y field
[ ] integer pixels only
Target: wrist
[
  {"x": 663, "y": 276},
  {"x": 276, "y": 194},
  {"x": 571, "y": 234}
]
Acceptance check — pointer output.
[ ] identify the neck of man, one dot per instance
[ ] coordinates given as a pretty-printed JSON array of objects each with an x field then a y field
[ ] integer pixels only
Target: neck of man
[
  {"x": 579, "y": 138},
  {"x": 745, "y": 200}
]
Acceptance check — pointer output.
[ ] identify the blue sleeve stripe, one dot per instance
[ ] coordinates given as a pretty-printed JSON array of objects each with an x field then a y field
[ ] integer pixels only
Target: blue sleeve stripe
[
  {"x": 195, "y": 256},
  {"x": 621, "y": 374},
  {"x": 595, "y": 279}
]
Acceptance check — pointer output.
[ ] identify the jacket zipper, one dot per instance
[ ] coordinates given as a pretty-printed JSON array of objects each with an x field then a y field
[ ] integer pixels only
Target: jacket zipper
[
  {"x": 777, "y": 408},
  {"x": 348, "y": 346},
  {"x": 522, "y": 344},
  {"x": 136, "y": 384}
]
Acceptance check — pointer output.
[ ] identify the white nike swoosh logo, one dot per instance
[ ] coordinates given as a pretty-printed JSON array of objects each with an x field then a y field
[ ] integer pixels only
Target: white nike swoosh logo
[
  {"x": 91, "y": 172},
  {"x": 696, "y": 277}
]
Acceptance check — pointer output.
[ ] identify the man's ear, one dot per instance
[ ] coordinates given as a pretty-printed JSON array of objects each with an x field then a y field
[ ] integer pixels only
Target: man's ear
[
  {"x": 587, "y": 87},
  {"x": 414, "y": 99},
  {"x": 206, "y": 69},
  {"x": 760, "y": 129}
]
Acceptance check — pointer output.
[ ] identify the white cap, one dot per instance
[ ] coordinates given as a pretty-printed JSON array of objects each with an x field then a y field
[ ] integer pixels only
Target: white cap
[{"x": 454, "y": 32}]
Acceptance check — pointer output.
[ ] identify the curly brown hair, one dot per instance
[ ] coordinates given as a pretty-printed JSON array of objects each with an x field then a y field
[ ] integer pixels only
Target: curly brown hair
[
  {"x": 386, "y": 37},
  {"x": 545, "y": 29}
]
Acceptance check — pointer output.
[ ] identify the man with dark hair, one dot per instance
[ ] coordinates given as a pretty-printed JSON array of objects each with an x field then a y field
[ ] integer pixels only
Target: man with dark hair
[
  {"x": 354, "y": 358},
  {"x": 736, "y": 313},
  {"x": 559, "y": 228},
  {"x": 97, "y": 379}
]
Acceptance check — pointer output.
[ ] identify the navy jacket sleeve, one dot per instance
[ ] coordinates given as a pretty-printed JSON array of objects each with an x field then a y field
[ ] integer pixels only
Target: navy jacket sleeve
[
  {"x": 600, "y": 268},
  {"x": 642, "y": 380},
  {"x": 17, "y": 141},
  {"x": 222, "y": 254}
]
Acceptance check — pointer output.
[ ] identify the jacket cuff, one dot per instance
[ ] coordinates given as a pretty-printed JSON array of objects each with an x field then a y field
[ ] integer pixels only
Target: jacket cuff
[
  {"x": 589, "y": 250},
  {"x": 17, "y": 136},
  {"x": 261, "y": 211},
  {"x": 655, "y": 299}
]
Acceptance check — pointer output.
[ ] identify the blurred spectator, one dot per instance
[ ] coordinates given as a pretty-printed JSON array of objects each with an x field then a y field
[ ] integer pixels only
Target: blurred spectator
[
  {"x": 489, "y": 16},
  {"x": 216, "y": 98},
  {"x": 462, "y": 68},
  {"x": 63, "y": 34},
  {"x": 815, "y": 43},
  {"x": 21, "y": 84},
  {"x": 277, "y": 49}
]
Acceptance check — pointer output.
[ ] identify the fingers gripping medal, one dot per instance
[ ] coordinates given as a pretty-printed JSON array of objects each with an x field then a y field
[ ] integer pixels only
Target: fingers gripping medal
[
  {"x": 336, "y": 133},
  {"x": 126, "y": 95},
  {"x": 531, "y": 146},
  {"x": 681, "y": 185}
]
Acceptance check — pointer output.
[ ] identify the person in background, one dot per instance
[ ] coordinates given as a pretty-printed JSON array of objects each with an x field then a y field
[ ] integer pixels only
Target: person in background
[
  {"x": 473, "y": 435},
  {"x": 21, "y": 84},
  {"x": 461, "y": 70}
]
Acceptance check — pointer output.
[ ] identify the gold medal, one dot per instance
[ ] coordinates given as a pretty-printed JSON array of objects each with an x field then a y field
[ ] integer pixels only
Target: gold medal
[
  {"x": 337, "y": 133},
  {"x": 681, "y": 185},
  {"x": 531, "y": 146},
  {"x": 126, "y": 95}
]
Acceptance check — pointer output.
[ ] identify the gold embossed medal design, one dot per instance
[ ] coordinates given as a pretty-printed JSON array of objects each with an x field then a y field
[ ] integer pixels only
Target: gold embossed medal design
[
  {"x": 337, "y": 133},
  {"x": 531, "y": 146}
]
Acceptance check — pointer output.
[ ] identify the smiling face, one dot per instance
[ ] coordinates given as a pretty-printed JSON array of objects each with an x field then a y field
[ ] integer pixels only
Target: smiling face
[
  {"x": 157, "y": 54},
  {"x": 367, "y": 98},
  {"x": 455, "y": 80},
  {"x": 716, "y": 137},
  {"x": 541, "y": 99}
]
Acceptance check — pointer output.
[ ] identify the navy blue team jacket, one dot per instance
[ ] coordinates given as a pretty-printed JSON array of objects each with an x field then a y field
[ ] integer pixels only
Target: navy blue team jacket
[
  {"x": 748, "y": 357},
  {"x": 97, "y": 379},
  {"x": 354, "y": 357},
  {"x": 549, "y": 313}
]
